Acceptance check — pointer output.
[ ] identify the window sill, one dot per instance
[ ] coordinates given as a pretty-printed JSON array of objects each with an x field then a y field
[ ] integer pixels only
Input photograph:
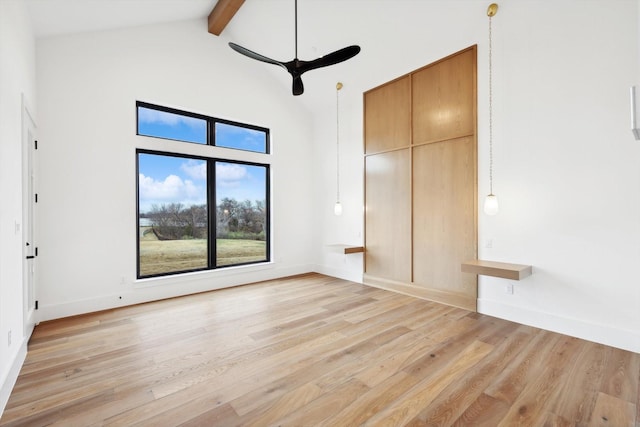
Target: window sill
[{"x": 201, "y": 275}]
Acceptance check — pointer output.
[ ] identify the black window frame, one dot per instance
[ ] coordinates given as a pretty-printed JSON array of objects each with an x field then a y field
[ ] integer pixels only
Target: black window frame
[
  {"x": 212, "y": 211},
  {"x": 211, "y": 121}
]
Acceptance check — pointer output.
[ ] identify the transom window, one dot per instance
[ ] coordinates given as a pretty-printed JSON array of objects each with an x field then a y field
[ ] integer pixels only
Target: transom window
[{"x": 169, "y": 123}]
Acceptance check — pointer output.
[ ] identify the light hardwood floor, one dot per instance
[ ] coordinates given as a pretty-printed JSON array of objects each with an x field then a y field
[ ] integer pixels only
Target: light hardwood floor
[{"x": 315, "y": 351}]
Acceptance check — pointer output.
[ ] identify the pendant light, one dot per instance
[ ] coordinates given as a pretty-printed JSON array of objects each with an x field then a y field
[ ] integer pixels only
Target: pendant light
[
  {"x": 491, "y": 201},
  {"x": 337, "y": 208}
]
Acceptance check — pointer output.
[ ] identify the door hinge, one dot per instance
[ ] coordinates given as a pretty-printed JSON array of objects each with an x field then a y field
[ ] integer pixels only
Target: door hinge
[
  {"x": 36, "y": 304},
  {"x": 36, "y": 144},
  {"x": 36, "y": 197},
  {"x": 36, "y": 252}
]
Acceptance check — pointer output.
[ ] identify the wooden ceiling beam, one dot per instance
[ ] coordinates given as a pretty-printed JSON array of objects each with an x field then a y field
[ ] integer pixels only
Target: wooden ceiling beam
[{"x": 222, "y": 13}]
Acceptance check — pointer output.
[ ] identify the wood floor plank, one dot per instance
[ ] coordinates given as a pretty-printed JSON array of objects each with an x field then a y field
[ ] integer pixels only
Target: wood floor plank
[
  {"x": 578, "y": 394},
  {"x": 121, "y": 402},
  {"x": 103, "y": 369},
  {"x": 323, "y": 362},
  {"x": 396, "y": 360},
  {"x": 534, "y": 402},
  {"x": 423, "y": 393},
  {"x": 250, "y": 364},
  {"x": 322, "y": 407},
  {"x": 388, "y": 318},
  {"x": 612, "y": 411},
  {"x": 619, "y": 378},
  {"x": 315, "y": 350},
  {"x": 484, "y": 411},
  {"x": 220, "y": 416},
  {"x": 70, "y": 406},
  {"x": 508, "y": 385},
  {"x": 456, "y": 398},
  {"x": 288, "y": 402},
  {"x": 638, "y": 402},
  {"x": 376, "y": 309},
  {"x": 371, "y": 402},
  {"x": 555, "y": 420}
]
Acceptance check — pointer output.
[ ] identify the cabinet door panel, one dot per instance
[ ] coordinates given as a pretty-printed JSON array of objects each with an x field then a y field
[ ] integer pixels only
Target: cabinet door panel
[
  {"x": 387, "y": 118},
  {"x": 388, "y": 216},
  {"x": 444, "y": 99},
  {"x": 444, "y": 216}
]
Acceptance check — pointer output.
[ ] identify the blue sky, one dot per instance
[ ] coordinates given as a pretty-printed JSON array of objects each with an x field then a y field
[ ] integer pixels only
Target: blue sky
[
  {"x": 241, "y": 138},
  {"x": 167, "y": 179},
  {"x": 184, "y": 128},
  {"x": 173, "y": 126}
]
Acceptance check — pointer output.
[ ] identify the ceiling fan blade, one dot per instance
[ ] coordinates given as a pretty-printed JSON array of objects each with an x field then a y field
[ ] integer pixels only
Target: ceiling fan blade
[
  {"x": 295, "y": 67},
  {"x": 329, "y": 59},
  {"x": 297, "y": 86},
  {"x": 251, "y": 54}
]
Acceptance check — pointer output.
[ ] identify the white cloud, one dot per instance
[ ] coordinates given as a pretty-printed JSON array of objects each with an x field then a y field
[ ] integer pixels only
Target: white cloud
[
  {"x": 172, "y": 190},
  {"x": 230, "y": 174},
  {"x": 147, "y": 115},
  {"x": 195, "y": 169}
]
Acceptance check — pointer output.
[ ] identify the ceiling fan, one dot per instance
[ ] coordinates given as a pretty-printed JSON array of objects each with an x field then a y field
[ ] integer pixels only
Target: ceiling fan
[{"x": 296, "y": 67}]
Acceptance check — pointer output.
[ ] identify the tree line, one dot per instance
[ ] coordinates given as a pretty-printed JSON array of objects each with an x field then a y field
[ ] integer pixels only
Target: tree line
[{"x": 234, "y": 220}]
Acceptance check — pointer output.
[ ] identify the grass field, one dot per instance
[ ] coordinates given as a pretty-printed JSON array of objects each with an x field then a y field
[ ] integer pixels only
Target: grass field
[{"x": 164, "y": 256}]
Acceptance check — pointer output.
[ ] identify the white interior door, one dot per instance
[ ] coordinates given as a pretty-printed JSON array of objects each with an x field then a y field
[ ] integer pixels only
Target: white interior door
[{"x": 30, "y": 250}]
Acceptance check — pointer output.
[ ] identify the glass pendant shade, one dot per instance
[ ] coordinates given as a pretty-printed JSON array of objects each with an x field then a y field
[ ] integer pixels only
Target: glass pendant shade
[
  {"x": 491, "y": 204},
  {"x": 337, "y": 209}
]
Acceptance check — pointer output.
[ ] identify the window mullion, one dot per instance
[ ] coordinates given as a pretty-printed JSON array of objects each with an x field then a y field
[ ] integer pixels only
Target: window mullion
[{"x": 213, "y": 212}]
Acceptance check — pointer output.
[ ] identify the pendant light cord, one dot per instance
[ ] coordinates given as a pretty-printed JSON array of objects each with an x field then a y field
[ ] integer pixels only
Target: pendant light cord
[
  {"x": 338, "y": 87},
  {"x": 296, "y": 27},
  {"x": 490, "y": 110}
]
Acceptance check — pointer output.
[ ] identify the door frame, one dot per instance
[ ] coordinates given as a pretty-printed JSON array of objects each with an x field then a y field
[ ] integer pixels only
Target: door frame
[{"x": 29, "y": 222}]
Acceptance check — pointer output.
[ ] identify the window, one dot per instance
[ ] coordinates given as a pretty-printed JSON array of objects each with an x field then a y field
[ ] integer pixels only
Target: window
[
  {"x": 169, "y": 123},
  {"x": 197, "y": 212},
  {"x": 241, "y": 213},
  {"x": 239, "y": 137}
]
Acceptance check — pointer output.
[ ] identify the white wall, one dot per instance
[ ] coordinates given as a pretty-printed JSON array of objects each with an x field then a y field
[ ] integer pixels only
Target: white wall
[
  {"x": 566, "y": 166},
  {"x": 17, "y": 78},
  {"x": 566, "y": 170},
  {"x": 347, "y": 228},
  {"x": 561, "y": 138},
  {"x": 88, "y": 87},
  {"x": 396, "y": 38}
]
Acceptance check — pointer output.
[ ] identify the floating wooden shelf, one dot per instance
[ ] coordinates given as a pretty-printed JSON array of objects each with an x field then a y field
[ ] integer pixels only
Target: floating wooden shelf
[
  {"x": 497, "y": 269},
  {"x": 348, "y": 249}
]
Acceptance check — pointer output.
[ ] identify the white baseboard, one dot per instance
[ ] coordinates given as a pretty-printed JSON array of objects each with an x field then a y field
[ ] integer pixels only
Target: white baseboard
[
  {"x": 603, "y": 334},
  {"x": 10, "y": 380},
  {"x": 625, "y": 339},
  {"x": 352, "y": 276},
  {"x": 154, "y": 289}
]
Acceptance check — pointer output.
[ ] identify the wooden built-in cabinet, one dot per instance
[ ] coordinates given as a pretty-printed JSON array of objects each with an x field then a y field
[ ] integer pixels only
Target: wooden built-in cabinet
[
  {"x": 388, "y": 215},
  {"x": 388, "y": 117},
  {"x": 421, "y": 181}
]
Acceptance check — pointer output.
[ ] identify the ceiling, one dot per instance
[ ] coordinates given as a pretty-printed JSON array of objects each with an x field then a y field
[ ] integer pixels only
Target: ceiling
[
  {"x": 396, "y": 36},
  {"x": 265, "y": 26},
  {"x": 56, "y": 17}
]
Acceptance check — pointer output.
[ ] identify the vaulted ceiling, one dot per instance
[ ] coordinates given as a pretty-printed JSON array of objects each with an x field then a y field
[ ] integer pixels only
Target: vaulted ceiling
[{"x": 396, "y": 36}]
